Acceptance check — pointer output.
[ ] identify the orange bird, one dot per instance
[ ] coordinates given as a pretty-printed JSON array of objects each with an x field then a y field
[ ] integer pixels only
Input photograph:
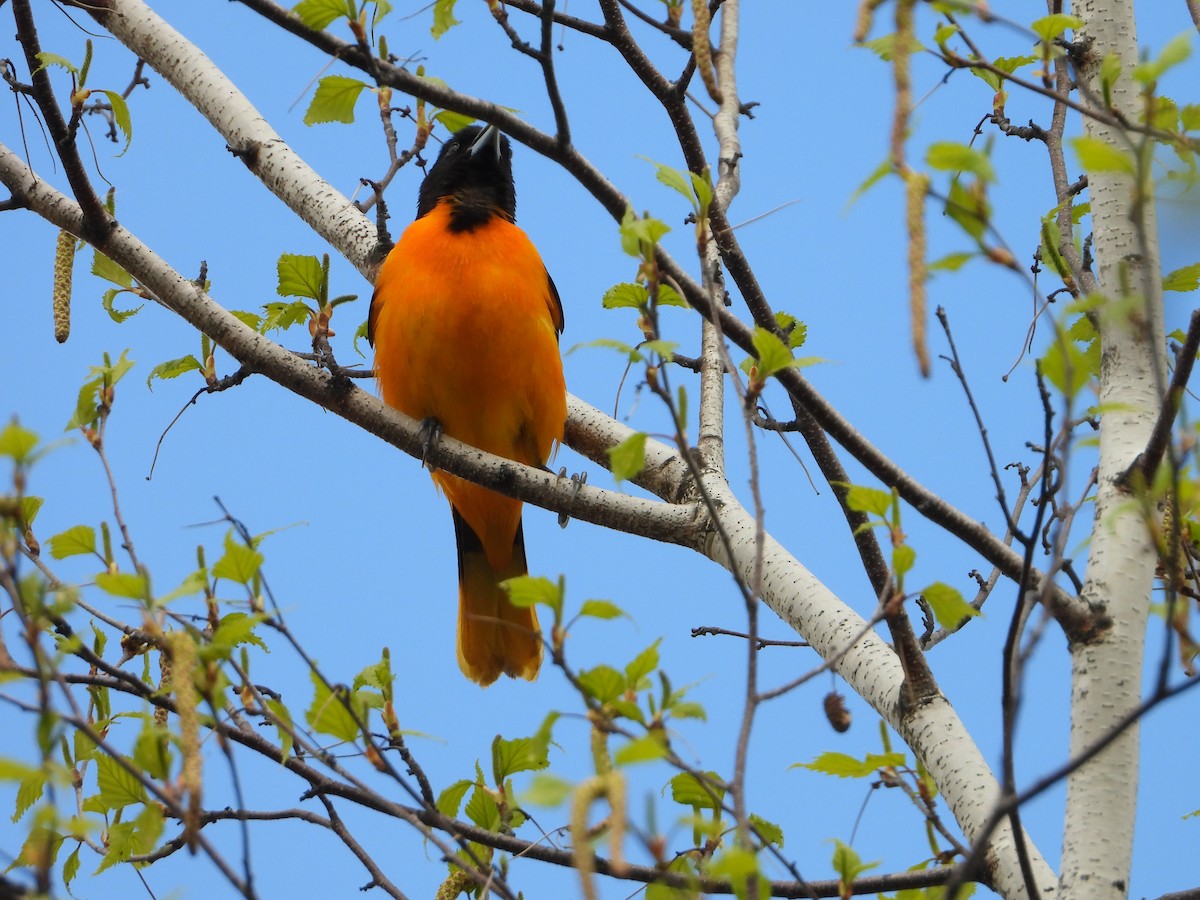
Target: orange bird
[{"x": 465, "y": 323}]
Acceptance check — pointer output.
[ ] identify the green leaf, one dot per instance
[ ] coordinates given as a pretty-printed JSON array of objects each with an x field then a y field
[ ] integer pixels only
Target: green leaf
[
  {"x": 443, "y": 17},
  {"x": 771, "y": 353},
  {"x": 529, "y": 754},
  {"x": 334, "y": 100},
  {"x": 952, "y": 262},
  {"x": 450, "y": 799},
  {"x": 121, "y": 117},
  {"x": 602, "y": 609},
  {"x": 283, "y": 316},
  {"x": 544, "y": 790},
  {"x": 948, "y": 605},
  {"x": 124, "y": 584},
  {"x": 103, "y": 267},
  {"x": 903, "y": 558},
  {"x": 642, "y": 665},
  {"x": 328, "y": 715},
  {"x": 861, "y": 498},
  {"x": 152, "y": 751},
  {"x": 1185, "y": 279},
  {"x": 53, "y": 59},
  {"x": 768, "y": 831},
  {"x": 877, "y": 174},
  {"x": 885, "y": 47},
  {"x": 30, "y": 507},
  {"x": 118, "y": 787},
  {"x": 848, "y": 864},
  {"x": 299, "y": 276},
  {"x": 527, "y": 590},
  {"x": 638, "y": 235},
  {"x": 969, "y": 208},
  {"x": 73, "y": 542},
  {"x": 1176, "y": 51},
  {"x": 173, "y": 368},
  {"x": 1189, "y": 117},
  {"x": 842, "y": 765},
  {"x": 626, "y": 294},
  {"x": 1098, "y": 155},
  {"x": 603, "y": 683},
  {"x": 648, "y": 748},
  {"x": 17, "y": 442},
  {"x": 319, "y": 14},
  {"x": 1068, "y": 367},
  {"x": 681, "y": 865},
  {"x": 796, "y": 331},
  {"x": 239, "y": 563},
  {"x": 233, "y": 630},
  {"x": 628, "y": 458},
  {"x": 249, "y": 319},
  {"x": 954, "y": 157},
  {"x": 1049, "y": 27},
  {"x": 194, "y": 583},
  {"x": 29, "y": 791},
  {"x": 117, "y": 315},
  {"x": 740, "y": 866},
  {"x": 70, "y": 867},
  {"x": 482, "y": 809},
  {"x": 676, "y": 180},
  {"x": 453, "y": 121},
  {"x": 687, "y": 790}
]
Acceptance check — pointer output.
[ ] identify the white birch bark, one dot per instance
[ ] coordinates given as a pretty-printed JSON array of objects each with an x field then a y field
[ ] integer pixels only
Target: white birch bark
[{"x": 1107, "y": 672}]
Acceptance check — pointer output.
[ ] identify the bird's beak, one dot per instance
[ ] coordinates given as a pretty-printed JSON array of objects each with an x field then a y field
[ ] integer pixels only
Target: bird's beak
[{"x": 488, "y": 140}]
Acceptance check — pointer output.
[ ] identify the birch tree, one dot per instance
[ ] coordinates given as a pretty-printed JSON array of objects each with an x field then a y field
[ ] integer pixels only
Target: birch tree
[{"x": 81, "y": 654}]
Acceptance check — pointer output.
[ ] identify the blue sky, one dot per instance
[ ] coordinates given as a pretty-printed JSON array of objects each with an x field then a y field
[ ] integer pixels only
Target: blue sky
[{"x": 365, "y": 557}]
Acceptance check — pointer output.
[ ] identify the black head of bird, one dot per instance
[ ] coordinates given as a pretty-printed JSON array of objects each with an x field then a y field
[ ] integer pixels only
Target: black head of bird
[{"x": 473, "y": 172}]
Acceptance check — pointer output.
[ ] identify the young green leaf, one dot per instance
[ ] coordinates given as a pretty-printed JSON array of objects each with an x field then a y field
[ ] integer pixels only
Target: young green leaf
[
  {"x": 1185, "y": 279},
  {"x": 239, "y": 563},
  {"x": 842, "y": 765},
  {"x": 602, "y": 609},
  {"x": 687, "y": 790},
  {"x": 124, "y": 584},
  {"x": 334, "y": 100},
  {"x": 118, "y": 787},
  {"x": 527, "y": 590},
  {"x": 328, "y": 715},
  {"x": 173, "y": 368},
  {"x": 848, "y": 864},
  {"x": 544, "y": 790},
  {"x": 948, "y": 605},
  {"x": 642, "y": 665},
  {"x": 17, "y": 442},
  {"x": 628, "y": 458},
  {"x": 861, "y": 498},
  {"x": 103, "y": 267},
  {"x": 955, "y": 157},
  {"x": 121, "y": 117},
  {"x": 299, "y": 276},
  {"x": 603, "y": 683},
  {"x": 647, "y": 748},
  {"x": 443, "y": 17},
  {"x": 73, "y": 542},
  {"x": 626, "y": 294},
  {"x": 1097, "y": 155},
  {"x": 319, "y": 14},
  {"x": 1049, "y": 27}
]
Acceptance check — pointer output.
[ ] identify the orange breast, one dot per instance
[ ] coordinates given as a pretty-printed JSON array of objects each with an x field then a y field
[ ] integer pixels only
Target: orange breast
[{"x": 466, "y": 331}]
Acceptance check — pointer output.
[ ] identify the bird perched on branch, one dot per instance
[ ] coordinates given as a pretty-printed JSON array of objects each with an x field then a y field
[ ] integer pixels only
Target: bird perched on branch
[{"x": 465, "y": 323}]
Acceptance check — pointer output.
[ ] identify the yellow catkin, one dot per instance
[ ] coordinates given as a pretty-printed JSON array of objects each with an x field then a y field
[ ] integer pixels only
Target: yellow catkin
[
  {"x": 702, "y": 49},
  {"x": 183, "y": 666},
  {"x": 64, "y": 264},
  {"x": 610, "y": 786},
  {"x": 456, "y": 883},
  {"x": 164, "y": 687},
  {"x": 916, "y": 187}
]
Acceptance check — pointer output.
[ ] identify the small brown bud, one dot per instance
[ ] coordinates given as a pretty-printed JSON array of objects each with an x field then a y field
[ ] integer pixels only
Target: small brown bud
[{"x": 836, "y": 712}]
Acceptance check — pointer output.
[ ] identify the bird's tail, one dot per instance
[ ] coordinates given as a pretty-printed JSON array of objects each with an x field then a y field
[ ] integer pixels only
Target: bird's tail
[{"x": 494, "y": 636}]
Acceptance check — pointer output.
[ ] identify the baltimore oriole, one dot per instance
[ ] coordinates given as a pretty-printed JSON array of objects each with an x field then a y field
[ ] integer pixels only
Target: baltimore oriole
[{"x": 465, "y": 323}]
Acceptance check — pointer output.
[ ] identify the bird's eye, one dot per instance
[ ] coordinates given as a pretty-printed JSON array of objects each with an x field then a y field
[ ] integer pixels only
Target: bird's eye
[{"x": 452, "y": 147}]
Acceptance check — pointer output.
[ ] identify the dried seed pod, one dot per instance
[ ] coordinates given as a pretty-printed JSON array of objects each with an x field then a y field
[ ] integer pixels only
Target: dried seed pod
[{"x": 836, "y": 712}]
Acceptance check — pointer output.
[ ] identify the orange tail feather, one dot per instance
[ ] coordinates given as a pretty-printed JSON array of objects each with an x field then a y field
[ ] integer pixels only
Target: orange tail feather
[{"x": 494, "y": 637}]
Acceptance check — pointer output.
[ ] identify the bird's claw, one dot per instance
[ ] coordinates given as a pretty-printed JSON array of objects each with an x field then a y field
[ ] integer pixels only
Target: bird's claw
[
  {"x": 577, "y": 481},
  {"x": 430, "y": 435}
]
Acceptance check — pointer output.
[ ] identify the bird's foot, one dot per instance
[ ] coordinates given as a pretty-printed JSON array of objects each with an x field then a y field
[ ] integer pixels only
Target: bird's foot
[
  {"x": 577, "y": 483},
  {"x": 430, "y": 435}
]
